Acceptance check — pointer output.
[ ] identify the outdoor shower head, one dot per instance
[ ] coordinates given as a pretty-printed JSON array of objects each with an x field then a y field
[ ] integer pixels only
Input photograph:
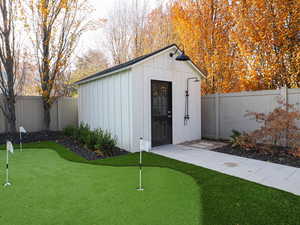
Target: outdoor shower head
[{"x": 195, "y": 79}]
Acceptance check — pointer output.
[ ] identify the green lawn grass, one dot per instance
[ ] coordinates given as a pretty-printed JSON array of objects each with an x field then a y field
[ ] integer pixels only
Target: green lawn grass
[{"x": 59, "y": 187}]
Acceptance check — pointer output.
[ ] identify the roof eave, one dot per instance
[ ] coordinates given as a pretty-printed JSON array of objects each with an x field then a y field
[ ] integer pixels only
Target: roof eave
[
  {"x": 197, "y": 69},
  {"x": 202, "y": 74},
  {"x": 100, "y": 77},
  {"x": 83, "y": 81}
]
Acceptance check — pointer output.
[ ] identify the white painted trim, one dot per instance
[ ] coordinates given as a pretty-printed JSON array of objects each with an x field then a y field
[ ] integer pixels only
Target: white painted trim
[
  {"x": 102, "y": 76},
  {"x": 194, "y": 67},
  {"x": 157, "y": 54}
]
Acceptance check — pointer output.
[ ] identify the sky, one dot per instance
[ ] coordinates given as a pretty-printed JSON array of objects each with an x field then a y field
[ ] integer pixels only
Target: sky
[{"x": 94, "y": 39}]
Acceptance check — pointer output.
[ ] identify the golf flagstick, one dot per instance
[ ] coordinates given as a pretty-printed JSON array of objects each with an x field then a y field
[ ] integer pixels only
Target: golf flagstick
[
  {"x": 9, "y": 148},
  {"x": 21, "y": 130},
  {"x": 140, "y": 188}
]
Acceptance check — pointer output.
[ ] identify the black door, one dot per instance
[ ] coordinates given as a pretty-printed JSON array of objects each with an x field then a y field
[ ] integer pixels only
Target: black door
[{"x": 161, "y": 112}]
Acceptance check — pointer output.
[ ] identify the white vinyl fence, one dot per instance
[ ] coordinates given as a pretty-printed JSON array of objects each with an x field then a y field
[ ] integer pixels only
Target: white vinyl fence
[
  {"x": 222, "y": 113},
  {"x": 29, "y": 113}
]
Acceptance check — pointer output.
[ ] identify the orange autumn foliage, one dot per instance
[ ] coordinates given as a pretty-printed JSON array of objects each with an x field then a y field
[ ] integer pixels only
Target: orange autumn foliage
[
  {"x": 242, "y": 45},
  {"x": 158, "y": 29}
]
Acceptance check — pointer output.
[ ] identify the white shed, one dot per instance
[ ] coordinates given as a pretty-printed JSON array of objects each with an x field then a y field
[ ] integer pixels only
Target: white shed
[{"x": 145, "y": 97}]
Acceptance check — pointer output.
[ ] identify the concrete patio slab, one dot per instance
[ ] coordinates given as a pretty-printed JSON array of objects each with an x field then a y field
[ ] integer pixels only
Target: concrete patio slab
[
  {"x": 206, "y": 144},
  {"x": 269, "y": 174}
]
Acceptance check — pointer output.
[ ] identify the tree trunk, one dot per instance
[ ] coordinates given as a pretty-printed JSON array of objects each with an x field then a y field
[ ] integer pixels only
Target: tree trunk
[
  {"x": 8, "y": 55},
  {"x": 12, "y": 117},
  {"x": 9, "y": 111},
  {"x": 47, "y": 118},
  {"x": 11, "y": 99}
]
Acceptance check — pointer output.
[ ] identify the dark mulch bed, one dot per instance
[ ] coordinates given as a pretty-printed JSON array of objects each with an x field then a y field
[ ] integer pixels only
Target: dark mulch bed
[
  {"x": 61, "y": 139},
  {"x": 31, "y": 137},
  {"x": 86, "y": 153},
  {"x": 280, "y": 155}
]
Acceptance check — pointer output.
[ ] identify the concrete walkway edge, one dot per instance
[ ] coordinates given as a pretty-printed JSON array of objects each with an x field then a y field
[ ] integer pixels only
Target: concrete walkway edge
[{"x": 274, "y": 175}]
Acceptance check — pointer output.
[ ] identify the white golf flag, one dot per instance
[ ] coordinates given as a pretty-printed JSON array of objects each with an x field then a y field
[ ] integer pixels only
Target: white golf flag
[
  {"x": 22, "y": 130},
  {"x": 144, "y": 145},
  {"x": 9, "y": 147}
]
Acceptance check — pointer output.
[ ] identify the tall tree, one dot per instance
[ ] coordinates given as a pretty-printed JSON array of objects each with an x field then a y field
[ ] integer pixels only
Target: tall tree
[
  {"x": 9, "y": 56},
  {"x": 203, "y": 28},
  {"x": 140, "y": 10},
  {"x": 118, "y": 32},
  {"x": 91, "y": 62},
  {"x": 158, "y": 29},
  {"x": 29, "y": 74},
  {"x": 57, "y": 25},
  {"x": 267, "y": 34},
  {"x": 243, "y": 45},
  {"x": 125, "y": 30}
]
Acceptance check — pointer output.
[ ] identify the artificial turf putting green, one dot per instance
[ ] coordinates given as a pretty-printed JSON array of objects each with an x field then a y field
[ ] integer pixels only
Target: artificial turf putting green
[
  {"x": 49, "y": 190},
  {"x": 63, "y": 192}
]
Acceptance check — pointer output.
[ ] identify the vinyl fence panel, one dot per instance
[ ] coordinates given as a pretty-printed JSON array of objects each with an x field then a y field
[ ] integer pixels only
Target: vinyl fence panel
[
  {"x": 222, "y": 113},
  {"x": 29, "y": 113}
]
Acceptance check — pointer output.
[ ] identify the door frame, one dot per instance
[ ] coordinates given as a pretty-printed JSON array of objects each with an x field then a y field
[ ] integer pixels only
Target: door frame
[{"x": 171, "y": 102}]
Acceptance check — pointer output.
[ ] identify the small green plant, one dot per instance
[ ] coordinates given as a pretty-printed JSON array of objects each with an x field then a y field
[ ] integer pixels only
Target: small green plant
[
  {"x": 99, "y": 137},
  {"x": 235, "y": 137},
  {"x": 108, "y": 142},
  {"x": 76, "y": 134},
  {"x": 91, "y": 140},
  {"x": 84, "y": 131},
  {"x": 70, "y": 130},
  {"x": 105, "y": 142}
]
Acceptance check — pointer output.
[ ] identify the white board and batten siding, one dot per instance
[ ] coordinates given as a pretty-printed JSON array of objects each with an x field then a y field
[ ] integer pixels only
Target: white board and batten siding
[
  {"x": 106, "y": 103},
  {"x": 121, "y": 103}
]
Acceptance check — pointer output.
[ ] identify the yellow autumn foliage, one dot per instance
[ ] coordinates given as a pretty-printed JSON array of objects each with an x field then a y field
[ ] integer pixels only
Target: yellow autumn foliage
[{"x": 242, "y": 45}]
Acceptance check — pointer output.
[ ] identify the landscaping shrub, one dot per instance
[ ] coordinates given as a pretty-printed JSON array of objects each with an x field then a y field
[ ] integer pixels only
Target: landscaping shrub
[
  {"x": 105, "y": 142},
  {"x": 91, "y": 140},
  {"x": 234, "y": 138},
  {"x": 278, "y": 129},
  {"x": 69, "y": 130},
  {"x": 108, "y": 142},
  {"x": 76, "y": 134},
  {"x": 83, "y": 133},
  {"x": 94, "y": 140}
]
